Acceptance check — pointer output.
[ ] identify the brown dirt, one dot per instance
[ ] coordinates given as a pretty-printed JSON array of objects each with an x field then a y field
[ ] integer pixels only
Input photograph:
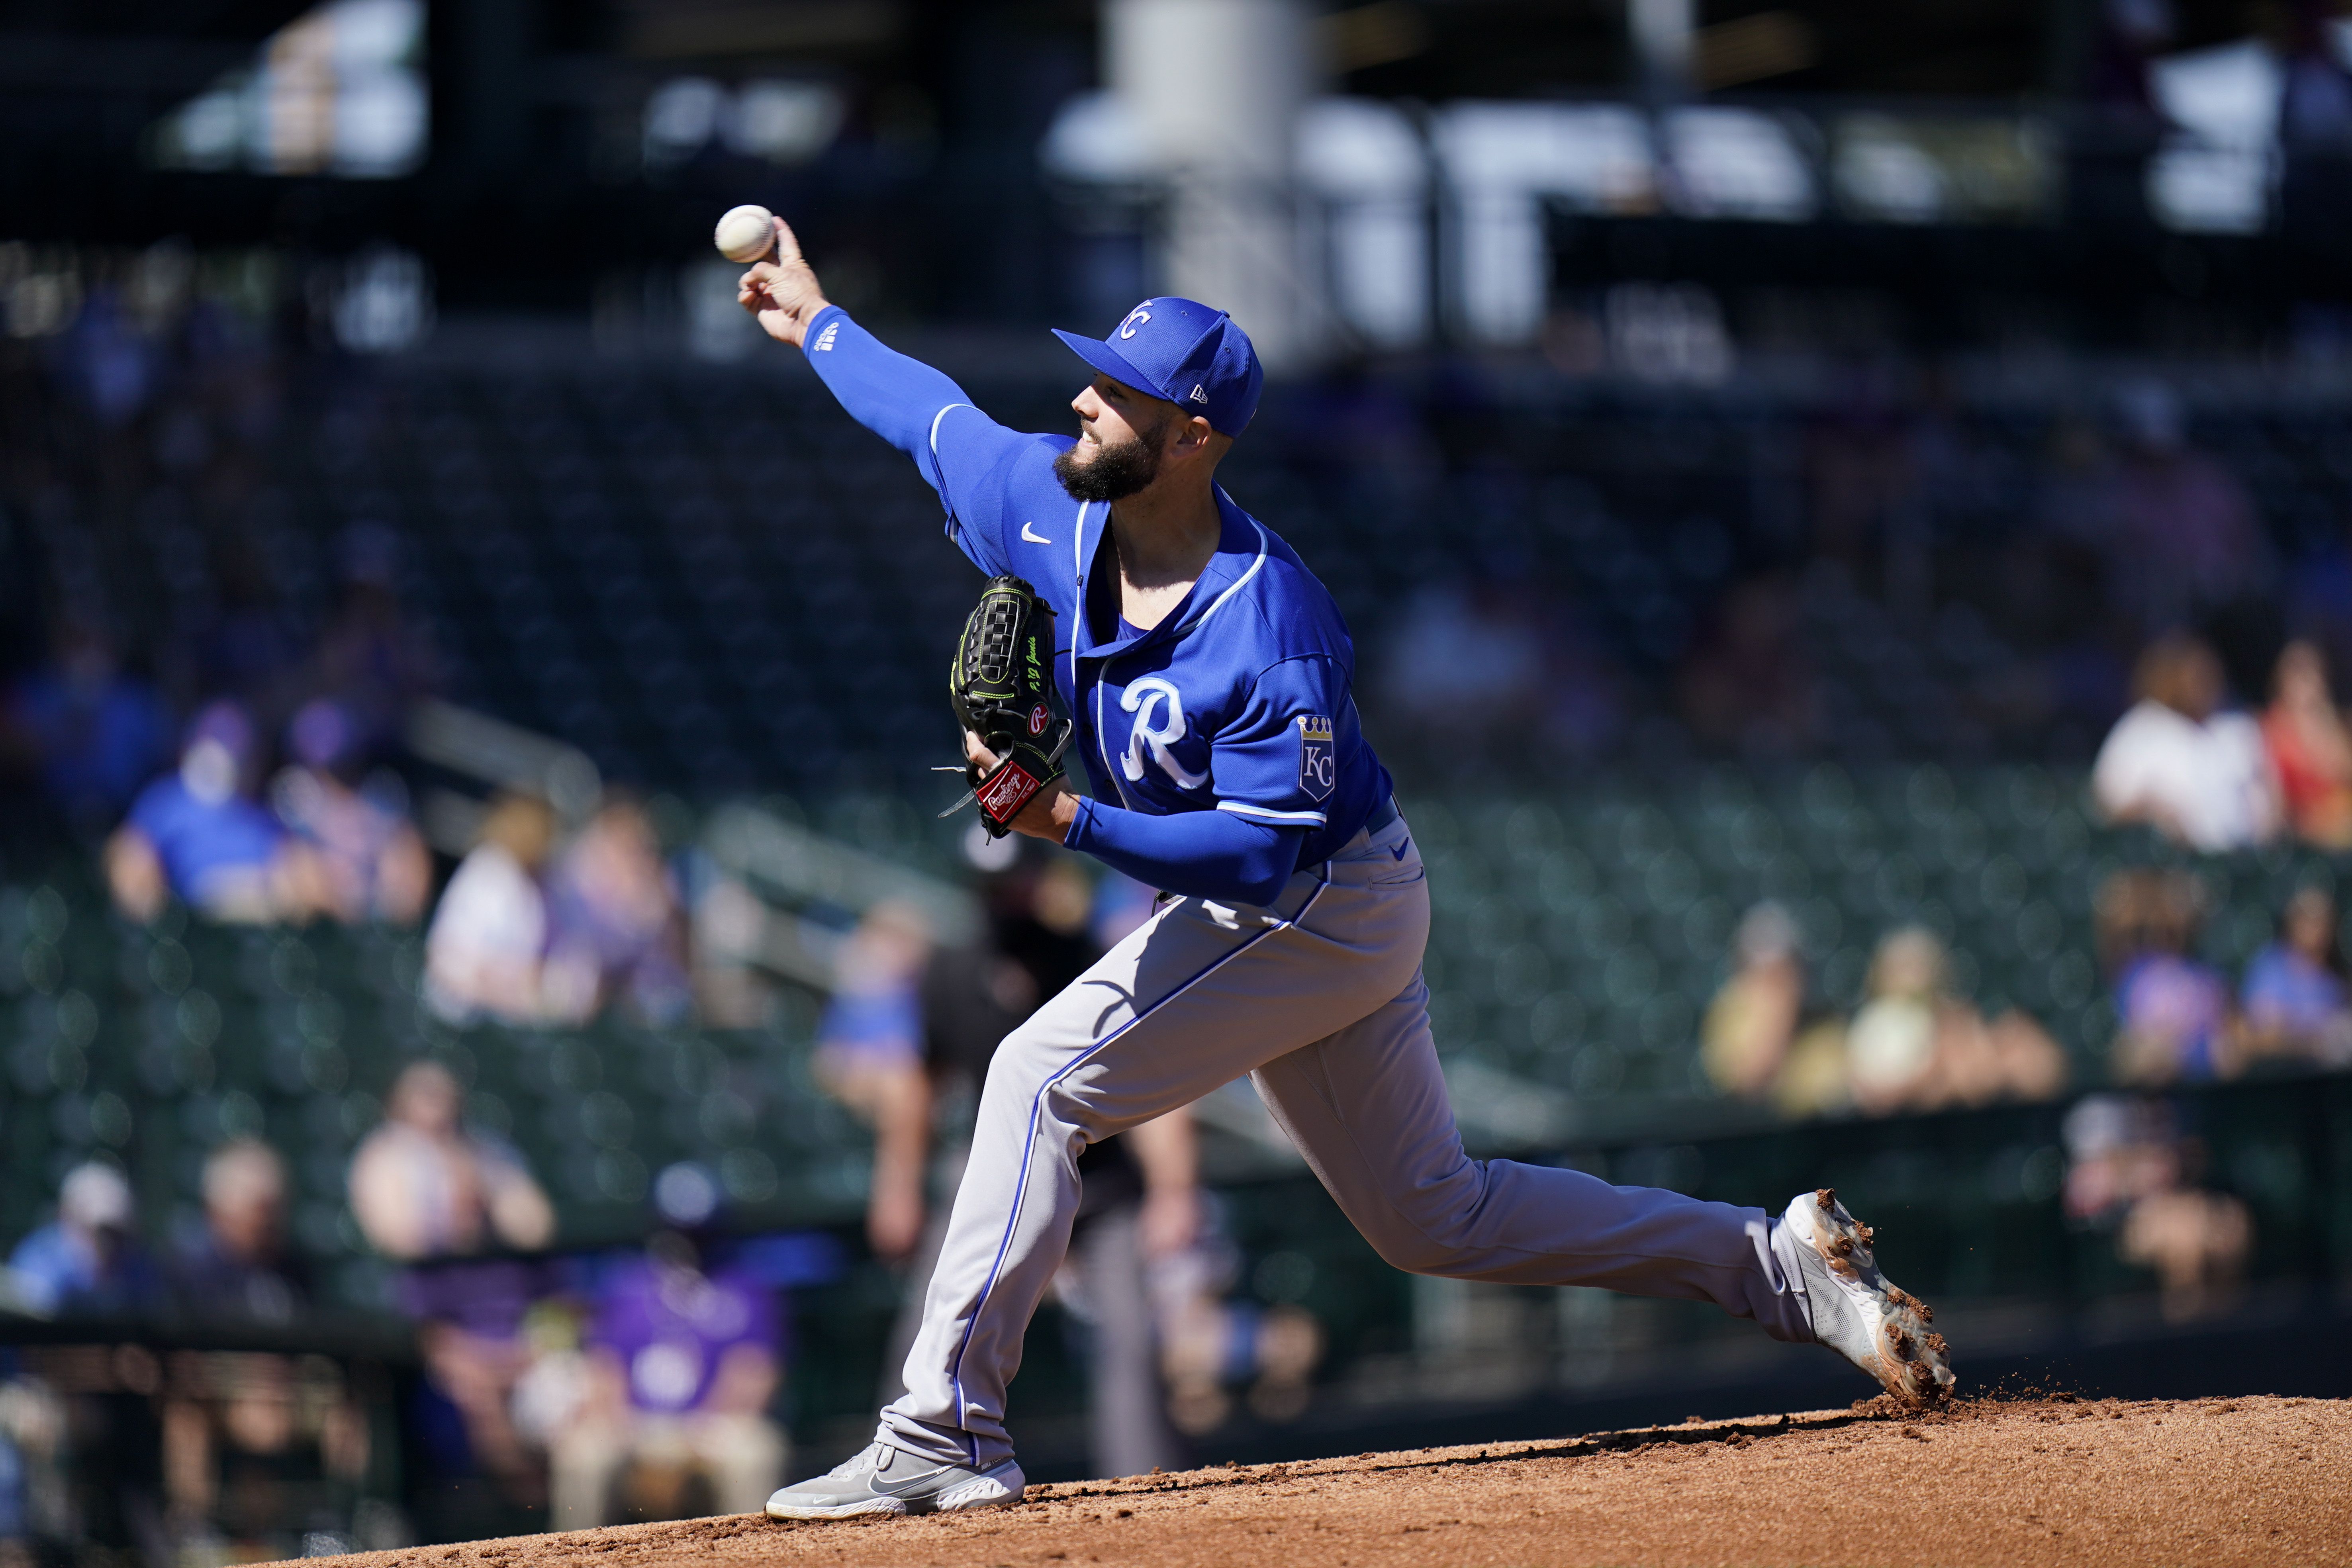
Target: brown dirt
[{"x": 1993, "y": 1481}]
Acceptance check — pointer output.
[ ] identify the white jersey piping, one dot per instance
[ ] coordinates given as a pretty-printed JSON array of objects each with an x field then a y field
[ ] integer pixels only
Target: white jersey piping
[{"x": 1317, "y": 818}]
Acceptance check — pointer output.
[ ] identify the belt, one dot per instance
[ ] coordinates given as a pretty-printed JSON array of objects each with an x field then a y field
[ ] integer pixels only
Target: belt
[{"x": 1383, "y": 814}]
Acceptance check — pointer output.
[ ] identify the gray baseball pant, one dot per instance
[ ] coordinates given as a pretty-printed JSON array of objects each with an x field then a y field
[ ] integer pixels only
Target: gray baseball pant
[
  {"x": 1319, "y": 998},
  {"x": 1127, "y": 1404}
]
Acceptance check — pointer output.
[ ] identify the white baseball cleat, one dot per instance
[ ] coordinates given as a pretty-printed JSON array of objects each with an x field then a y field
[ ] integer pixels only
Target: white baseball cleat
[
  {"x": 1879, "y": 1327},
  {"x": 885, "y": 1480}
]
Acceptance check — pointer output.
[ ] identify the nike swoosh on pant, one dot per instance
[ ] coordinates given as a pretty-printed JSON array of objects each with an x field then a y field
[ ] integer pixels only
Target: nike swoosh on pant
[
  {"x": 1397, "y": 853},
  {"x": 1029, "y": 532}
]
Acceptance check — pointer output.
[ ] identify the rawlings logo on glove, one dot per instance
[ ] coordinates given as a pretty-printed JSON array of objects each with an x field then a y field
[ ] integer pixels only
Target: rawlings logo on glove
[{"x": 1001, "y": 691}]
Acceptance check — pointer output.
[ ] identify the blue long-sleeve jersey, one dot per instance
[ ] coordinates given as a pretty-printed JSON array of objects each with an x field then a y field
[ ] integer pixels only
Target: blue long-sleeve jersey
[{"x": 1223, "y": 744}]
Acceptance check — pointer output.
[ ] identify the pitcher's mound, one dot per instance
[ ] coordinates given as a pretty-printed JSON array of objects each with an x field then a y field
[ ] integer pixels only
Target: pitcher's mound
[{"x": 2029, "y": 1481}]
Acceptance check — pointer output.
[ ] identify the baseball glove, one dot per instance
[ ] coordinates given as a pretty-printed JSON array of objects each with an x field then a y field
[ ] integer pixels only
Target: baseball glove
[{"x": 1001, "y": 686}]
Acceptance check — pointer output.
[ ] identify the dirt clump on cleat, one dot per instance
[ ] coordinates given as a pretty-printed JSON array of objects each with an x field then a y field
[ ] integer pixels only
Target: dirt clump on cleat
[{"x": 1857, "y": 1311}]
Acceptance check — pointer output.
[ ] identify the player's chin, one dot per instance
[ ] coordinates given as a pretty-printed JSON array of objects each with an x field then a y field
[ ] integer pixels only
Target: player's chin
[{"x": 1105, "y": 473}]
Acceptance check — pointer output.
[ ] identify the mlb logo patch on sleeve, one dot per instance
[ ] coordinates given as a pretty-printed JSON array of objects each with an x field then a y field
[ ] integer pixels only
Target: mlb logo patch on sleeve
[{"x": 1318, "y": 763}]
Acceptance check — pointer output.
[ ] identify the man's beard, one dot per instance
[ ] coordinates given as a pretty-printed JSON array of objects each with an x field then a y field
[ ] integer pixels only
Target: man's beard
[{"x": 1115, "y": 472}]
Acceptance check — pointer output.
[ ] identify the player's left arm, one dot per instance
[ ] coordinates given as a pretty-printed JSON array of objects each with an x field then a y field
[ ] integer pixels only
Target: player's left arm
[{"x": 1199, "y": 854}]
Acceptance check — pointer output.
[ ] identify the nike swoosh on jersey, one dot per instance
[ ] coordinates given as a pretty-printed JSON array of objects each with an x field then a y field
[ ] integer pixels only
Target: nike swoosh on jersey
[{"x": 1029, "y": 532}]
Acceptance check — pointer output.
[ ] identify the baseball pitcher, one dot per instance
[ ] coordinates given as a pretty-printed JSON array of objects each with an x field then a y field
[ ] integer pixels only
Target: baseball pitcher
[{"x": 1204, "y": 677}]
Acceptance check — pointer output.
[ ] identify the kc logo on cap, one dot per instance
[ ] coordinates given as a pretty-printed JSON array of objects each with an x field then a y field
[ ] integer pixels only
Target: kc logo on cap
[{"x": 1185, "y": 353}]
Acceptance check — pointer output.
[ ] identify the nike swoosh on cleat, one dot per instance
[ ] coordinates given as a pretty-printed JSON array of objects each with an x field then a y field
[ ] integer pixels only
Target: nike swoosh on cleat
[{"x": 1029, "y": 532}]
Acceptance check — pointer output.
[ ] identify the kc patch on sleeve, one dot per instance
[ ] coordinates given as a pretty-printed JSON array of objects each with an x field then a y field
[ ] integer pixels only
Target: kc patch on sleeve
[{"x": 1318, "y": 763}]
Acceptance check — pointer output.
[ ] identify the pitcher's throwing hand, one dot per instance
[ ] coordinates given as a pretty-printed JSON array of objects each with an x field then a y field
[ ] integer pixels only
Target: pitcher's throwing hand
[{"x": 781, "y": 294}]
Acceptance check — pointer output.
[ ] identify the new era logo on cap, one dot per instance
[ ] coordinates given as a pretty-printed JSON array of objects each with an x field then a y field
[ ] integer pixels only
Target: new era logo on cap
[{"x": 1167, "y": 344}]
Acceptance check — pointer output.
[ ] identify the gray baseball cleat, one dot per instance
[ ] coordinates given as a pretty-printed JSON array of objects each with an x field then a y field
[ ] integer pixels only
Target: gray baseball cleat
[
  {"x": 1879, "y": 1327},
  {"x": 883, "y": 1479}
]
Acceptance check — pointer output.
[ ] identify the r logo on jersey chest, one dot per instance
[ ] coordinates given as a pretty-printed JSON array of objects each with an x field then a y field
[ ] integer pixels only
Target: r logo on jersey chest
[{"x": 1317, "y": 757}]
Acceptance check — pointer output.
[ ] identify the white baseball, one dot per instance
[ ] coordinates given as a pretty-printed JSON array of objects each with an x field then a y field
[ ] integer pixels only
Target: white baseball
[{"x": 746, "y": 233}]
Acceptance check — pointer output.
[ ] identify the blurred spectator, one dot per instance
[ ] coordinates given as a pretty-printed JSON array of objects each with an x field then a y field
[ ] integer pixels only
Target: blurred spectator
[
  {"x": 1814, "y": 1080},
  {"x": 1748, "y": 688},
  {"x": 91, "y": 733},
  {"x": 1745, "y": 1038},
  {"x": 238, "y": 1265},
  {"x": 2310, "y": 748},
  {"x": 869, "y": 1054},
  {"x": 89, "y": 1259},
  {"x": 423, "y": 1187},
  {"x": 1915, "y": 1046},
  {"x": 1209, "y": 1342},
  {"x": 253, "y": 1425},
  {"x": 1891, "y": 1047},
  {"x": 2032, "y": 1066},
  {"x": 489, "y": 936},
  {"x": 252, "y": 1442},
  {"x": 2294, "y": 999},
  {"x": 616, "y": 928},
  {"x": 2172, "y": 1012},
  {"x": 2119, "y": 1149},
  {"x": 2130, "y": 1167},
  {"x": 728, "y": 936},
  {"x": 370, "y": 863},
  {"x": 2197, "y": 1242},
  {"x": 197, "y": 836},
  {"x": 681, "y": 1367},
  {"x": 2180, "y": 764}
]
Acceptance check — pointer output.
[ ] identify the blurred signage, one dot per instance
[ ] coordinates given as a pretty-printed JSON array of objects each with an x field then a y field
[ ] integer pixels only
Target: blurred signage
[
  {"x": 1913, "y": 169},
  {"x": 2214, "y": 175},
  {"x": 339, "y": 91}
]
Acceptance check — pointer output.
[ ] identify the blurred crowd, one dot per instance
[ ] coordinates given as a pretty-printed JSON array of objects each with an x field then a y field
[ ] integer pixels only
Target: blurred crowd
[
  {"x": 2214, "y": 777},
  {"x": 642, "y": 1382},
  {"x": 1912, "y": 1045},
  {"x": 1916, "y": 581},
  {"x": 637, "y": 1383},
  {"x": 2179, "y": 1019},
  {"x": 534, "y": 929}
]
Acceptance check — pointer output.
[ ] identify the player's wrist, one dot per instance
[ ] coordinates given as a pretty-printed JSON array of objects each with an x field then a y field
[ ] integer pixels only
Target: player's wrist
[
  {"x": 803, "y": 315},
  {"x": 1066, "y": 807}
]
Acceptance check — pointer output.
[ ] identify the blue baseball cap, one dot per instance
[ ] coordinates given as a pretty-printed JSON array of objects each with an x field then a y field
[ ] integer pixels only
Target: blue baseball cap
[{"x": 1183, "y": 350}]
